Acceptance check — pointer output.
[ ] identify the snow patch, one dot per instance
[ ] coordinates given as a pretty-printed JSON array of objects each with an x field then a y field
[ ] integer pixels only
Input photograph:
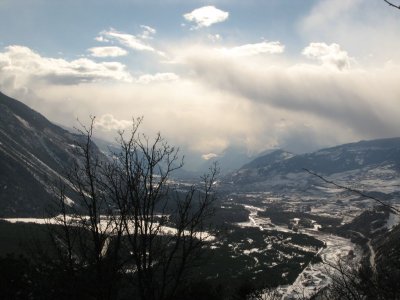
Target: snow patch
[
  {"x": 23, "y": 122},
  {"x": 68, "y": 201},
  {"x": 253, "y": 250},
  {"x": 392, "y": 221}
]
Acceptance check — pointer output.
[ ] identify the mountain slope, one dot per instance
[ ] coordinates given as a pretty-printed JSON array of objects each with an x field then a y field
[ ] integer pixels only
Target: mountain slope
[
  {"x": 365, "y": 163},
  {"x": 33, "y": 154},
  {"x": 268, "y": 159}
]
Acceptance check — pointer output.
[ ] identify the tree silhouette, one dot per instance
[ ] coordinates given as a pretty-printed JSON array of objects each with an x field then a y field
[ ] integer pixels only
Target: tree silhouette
[{"x": 130, "y": 222}]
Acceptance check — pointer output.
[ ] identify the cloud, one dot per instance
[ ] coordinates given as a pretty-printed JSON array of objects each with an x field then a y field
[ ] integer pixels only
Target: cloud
[
  {"x": 330, "y": 55},
  {"x": 158, "y": 77},
  {"x": 356, "y": 102},
  {"x": 107, "y": 51},
  {"x": 209, "y": 101},
  {"x": 136, "y": 42},
  {"x": 206, "y": 16},
  {"x": 148, "y": 32},
  {"x": 254, "y": 49},
  {"x": 25, "y": 65},
  {"x": 101, "y": 39},
  {"x": 189, "y": 115},
  {"x": 128, "y": 40},
  {"x": 108, "y": 122},
  {"x": 257, "y": 102},
  {"x": 214, "y": 37},
  {"x": 367, "y": 29},
  {"x": 209, "y": 156}
]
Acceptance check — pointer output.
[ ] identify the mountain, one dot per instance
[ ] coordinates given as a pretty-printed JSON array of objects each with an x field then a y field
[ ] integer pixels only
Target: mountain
[
  {"x": 34, "y": 153},
  {"x": 366, "y": 163},
  {"x": 268, "y": 159}
]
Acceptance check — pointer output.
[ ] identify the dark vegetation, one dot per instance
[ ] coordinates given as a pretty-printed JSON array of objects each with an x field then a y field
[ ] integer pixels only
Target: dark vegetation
[
  {"x": 282, "y": 217},
  {"x": 31, "y": 267},
  {"x": 366, "y": 225},
  {"x": 22, "y": 238},
  {"x": 241, "y": 254},
  {"x": 231, "y": 213}
]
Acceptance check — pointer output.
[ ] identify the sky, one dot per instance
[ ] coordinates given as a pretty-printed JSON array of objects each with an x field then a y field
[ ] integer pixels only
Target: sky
[{"x": 209, "y": 75}]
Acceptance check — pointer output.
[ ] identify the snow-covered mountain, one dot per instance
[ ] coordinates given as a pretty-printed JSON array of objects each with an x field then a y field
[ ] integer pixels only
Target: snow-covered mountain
[{"x": 370, "y": 165}]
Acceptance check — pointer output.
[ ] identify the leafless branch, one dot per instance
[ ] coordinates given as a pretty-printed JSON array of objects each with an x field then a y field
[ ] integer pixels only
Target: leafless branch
[{"x": 391, "y": 4}]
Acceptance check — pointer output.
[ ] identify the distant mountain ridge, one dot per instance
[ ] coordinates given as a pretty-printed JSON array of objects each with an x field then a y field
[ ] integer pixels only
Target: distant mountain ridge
[
  {"x": 33, "y": 154},
  {"x": 361, "y": 160},
  {"x": 268, "y": 159}
]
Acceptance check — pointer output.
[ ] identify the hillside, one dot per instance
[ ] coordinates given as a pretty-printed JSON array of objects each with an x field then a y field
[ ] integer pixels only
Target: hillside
[
  {"x": 33, "y": 154},
  {"x": 368, "y": 165}
]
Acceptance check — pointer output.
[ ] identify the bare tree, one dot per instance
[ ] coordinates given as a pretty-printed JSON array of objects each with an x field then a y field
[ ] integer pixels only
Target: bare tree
[
  {"x": 130, "y": 218},
  {"x": 86, "y": 226},
  {"x": 164, "y": 228}
]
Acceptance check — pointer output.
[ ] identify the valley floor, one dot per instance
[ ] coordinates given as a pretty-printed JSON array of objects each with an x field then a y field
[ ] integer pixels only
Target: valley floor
[{"x": 314, "y": 277}]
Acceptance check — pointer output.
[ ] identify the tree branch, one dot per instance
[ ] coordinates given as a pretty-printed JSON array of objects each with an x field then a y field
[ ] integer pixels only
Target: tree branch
[{"x": 391, "y": 4}]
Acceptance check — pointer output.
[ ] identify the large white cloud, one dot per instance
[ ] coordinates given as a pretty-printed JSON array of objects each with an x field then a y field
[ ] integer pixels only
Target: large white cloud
[
  {"x": 220, "y": 100},
  {"x": 21, "y": 66},
  {"x": 206, "y": 16},
  {"x": 24, "y": 65},
  {"x": 357, "y": 101}
]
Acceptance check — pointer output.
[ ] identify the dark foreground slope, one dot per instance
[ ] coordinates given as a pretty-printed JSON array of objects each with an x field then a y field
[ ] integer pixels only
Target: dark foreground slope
[{"x": 33, "y": 154}]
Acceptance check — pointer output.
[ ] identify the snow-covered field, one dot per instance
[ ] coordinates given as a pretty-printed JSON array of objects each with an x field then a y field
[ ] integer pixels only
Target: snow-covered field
[{"x": 104, "y": 224}]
